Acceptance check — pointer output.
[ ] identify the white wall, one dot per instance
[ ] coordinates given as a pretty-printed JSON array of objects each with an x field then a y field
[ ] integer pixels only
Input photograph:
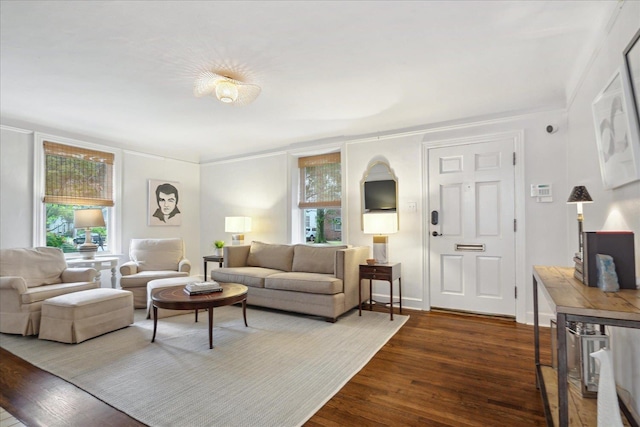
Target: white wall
[
  {"x": 16, "y": 188},
  {"x": 543, "y": 224},
  {"x": 616, "y": 209},
  {"x": 402, "y": 153},
  {"x": 137, "y": 170},
  {"x": 256, "y": 187},
  {"x": 16, "y": 195}
]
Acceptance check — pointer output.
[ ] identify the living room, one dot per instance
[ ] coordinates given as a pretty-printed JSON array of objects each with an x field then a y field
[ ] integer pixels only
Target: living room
[{"x": 262, "y": 184}]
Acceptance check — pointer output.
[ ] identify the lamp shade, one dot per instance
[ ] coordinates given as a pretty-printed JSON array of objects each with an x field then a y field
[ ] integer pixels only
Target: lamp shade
[
  {"x": 579, "y": 194},
  {"x": 380, "y": 223},
  {"x": 87, "y": 218},
  {"x": 237, "y": 224}
]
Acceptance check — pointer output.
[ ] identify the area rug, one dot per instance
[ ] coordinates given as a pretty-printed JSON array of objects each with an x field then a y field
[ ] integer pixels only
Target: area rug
[{"x": 277, "y": 372}]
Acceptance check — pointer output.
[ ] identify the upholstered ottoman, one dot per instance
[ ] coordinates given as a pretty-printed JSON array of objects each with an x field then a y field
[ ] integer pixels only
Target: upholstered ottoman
[
  {"x": 165, "y": 283},
  {"x": 79, "y": 316}
]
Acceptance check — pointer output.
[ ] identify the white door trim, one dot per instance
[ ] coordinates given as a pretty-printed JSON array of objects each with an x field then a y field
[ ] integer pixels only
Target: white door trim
[{"x": 521, "y": 273}]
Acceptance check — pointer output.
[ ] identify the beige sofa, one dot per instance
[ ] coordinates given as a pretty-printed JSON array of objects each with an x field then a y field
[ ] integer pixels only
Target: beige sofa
[
  {"x": 316, "y": 280},
  {"x": 152, "y": 259},
  {"x": 28, "y": 276}
]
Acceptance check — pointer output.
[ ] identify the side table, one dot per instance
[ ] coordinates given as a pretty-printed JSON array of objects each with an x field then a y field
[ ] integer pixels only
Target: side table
[
  {"x": 99, "y": 263},
  {"x": 388, "y": 272},
  {"x": 211, "y": 258}
]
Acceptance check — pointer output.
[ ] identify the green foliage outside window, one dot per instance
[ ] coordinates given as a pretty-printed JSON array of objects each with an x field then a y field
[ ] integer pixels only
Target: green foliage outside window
[{"x": 60, "y": 231}]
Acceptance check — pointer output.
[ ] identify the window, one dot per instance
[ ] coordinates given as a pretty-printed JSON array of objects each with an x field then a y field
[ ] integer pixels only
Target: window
[
  {"x": 74, "y": 176},
  {"x": 321, "y": 197}
]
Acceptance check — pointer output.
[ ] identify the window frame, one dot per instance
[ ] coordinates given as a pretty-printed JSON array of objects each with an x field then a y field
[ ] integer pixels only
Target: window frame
[
  {"x": 296, "y": 218},
  {"x": 39, "y": 209}
]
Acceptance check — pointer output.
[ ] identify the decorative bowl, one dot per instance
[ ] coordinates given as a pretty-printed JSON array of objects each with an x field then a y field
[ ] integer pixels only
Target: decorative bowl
[{"x": 371, "y": 261}]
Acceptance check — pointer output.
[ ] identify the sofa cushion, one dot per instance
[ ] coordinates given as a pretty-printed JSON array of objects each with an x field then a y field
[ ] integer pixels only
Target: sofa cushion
[
  {"x": 248, "y": 276},
  {"x": 141, "y": 279},
  {"x": 313, "y": 283},
  {"x": 315, "y": 259},
  {"x": 156, "y": 254},
  {"x": 277, "y": 257},
  {"x": 38, "y": 266}
]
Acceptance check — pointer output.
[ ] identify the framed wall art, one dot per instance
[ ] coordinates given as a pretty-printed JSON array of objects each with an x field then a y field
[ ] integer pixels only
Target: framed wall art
[
  {"x": 164, "y": 197},
  {"x": 632, "y": 64},
  {"x": 616, "y": 129}
]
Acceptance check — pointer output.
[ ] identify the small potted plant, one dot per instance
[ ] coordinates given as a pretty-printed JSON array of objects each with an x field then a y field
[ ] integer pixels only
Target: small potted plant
[{"x": 219, "y": 244}]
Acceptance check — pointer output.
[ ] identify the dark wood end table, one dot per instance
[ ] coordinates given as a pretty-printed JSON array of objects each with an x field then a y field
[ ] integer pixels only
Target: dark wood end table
[
  {"x": 387, "y": 272},
  {"x": 211, "y": 258},
  {"x": 175, "y": 298}
]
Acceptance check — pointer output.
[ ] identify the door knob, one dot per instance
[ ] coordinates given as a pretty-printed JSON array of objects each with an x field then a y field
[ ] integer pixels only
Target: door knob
[{"x": 436, "y": 234}]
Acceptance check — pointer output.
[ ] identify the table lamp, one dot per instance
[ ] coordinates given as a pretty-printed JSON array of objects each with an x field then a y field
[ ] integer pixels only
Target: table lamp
[
  {"x": 380, "y": 224},
  {"x": 579, "y": 195},
  {"x": 237, "y": 226},
  {"x": 87, "y": 219}
]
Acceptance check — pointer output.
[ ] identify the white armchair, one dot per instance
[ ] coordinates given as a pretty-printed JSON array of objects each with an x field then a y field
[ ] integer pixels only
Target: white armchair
[
  {"x": 28, "y": 276},
  {"x": 152, "y": 259}
]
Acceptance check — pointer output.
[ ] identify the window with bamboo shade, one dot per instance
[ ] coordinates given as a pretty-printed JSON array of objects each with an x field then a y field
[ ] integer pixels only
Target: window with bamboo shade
[
  {"x": 320, "y": 197},
  {"x": 77, "y": 176}
]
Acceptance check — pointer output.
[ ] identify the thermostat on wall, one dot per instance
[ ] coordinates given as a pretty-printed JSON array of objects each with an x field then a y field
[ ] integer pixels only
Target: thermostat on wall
[{"x": 543, "y": 192}]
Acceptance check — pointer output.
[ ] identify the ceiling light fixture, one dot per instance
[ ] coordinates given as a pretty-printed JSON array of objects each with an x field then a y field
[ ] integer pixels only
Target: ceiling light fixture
[{"x": 228, "y": 90}]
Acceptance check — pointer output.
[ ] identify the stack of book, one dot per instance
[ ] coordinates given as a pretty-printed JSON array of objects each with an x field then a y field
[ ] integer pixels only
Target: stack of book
[
  {"x": 197, "y": 288},
  {"x": 578, "y": 271}
]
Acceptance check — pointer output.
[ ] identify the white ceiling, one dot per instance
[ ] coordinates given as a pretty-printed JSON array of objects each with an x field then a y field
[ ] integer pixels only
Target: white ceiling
[{"x": 123, "y": 71}]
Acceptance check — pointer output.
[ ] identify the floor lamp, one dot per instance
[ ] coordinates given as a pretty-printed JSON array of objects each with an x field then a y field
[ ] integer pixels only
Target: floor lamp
[{"x": 579, "y": 195}]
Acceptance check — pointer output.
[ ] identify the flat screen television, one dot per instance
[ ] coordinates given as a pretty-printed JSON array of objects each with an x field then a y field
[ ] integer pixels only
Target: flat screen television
[{"x": 380, "y": 195}]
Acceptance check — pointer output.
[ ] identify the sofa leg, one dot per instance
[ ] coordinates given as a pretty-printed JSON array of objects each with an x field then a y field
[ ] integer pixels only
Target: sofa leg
[{"x": 331, "y": 319}]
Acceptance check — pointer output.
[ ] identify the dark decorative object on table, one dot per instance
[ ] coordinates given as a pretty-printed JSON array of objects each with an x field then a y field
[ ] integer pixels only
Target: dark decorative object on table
[{"x": 617, "y": 244}]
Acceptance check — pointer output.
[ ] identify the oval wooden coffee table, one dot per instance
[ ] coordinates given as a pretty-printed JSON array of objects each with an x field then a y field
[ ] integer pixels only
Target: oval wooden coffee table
[{"x": 175, "y": 298}]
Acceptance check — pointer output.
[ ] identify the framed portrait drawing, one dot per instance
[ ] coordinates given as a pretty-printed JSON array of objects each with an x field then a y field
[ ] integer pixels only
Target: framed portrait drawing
[
  {"x": 617, "y": 132},
  {"x": 164, "y": 198}
]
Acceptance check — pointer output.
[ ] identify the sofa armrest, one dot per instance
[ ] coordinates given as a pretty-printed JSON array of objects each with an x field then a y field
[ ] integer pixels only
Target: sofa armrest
[
  {"x": 13, "y": 282},
  {"x": 236, "y": 256},
  {"x": 79, "y": 274},
  {"x": 129, "y": 268},
  {"x": 348, "y": 269},
  {"x": 184, "y": 265}
]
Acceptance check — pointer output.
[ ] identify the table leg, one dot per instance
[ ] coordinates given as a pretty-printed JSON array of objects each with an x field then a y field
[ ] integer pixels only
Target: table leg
[
  {"x": 205, "y": 271},
  {"x": 155, "y": 322},
  {"x": 400, "y": 292},
  {"x": 196, "y": 315},
  {"x": 211, "y": 327},
  {"x": 370, "y": 295},
  {"x": 244, "y": 311},
  {"x": 536, "y": 331},
  {"x": 391, "y": 298},
  {"x": 359, "y": 296},
  {"x": 113, "y": 277},
  {"x": 563, "y": 392}
]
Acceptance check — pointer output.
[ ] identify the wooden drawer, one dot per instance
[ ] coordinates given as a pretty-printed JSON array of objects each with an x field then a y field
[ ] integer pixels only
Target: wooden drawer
[{"x": 375, "y": 272}]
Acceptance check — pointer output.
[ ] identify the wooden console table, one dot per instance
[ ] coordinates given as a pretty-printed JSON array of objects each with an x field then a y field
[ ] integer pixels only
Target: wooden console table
[{"x": 573, "y": 301}]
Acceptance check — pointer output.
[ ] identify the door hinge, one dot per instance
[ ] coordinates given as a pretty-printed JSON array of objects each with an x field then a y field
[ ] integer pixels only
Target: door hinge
[
  {"x": 514, "y": 158},
  {"x": 515, "y": 225},
  {"x": 516, "y": 292}
]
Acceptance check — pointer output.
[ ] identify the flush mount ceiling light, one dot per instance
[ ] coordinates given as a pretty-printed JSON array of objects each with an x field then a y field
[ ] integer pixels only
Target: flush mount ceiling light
[{"x": 228, "y": 90}]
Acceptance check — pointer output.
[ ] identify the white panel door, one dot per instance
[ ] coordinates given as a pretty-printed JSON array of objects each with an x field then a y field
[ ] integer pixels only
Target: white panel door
[{"x": 472, "y": 246}]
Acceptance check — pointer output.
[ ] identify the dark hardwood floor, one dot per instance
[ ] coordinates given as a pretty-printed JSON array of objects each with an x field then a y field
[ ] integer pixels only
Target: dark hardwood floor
[{"x": 440, "y": 369}]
